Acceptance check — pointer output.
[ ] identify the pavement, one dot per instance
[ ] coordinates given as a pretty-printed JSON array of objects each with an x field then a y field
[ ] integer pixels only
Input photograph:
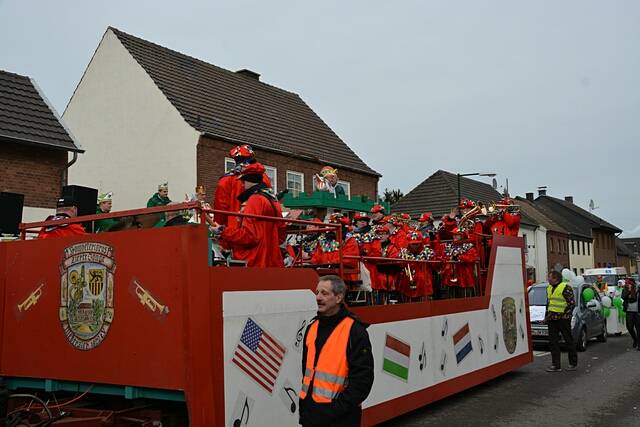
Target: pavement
[{"x": 604, "y": 391}]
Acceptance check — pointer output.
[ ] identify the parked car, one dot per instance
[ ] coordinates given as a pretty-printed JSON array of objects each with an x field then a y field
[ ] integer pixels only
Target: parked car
[{"x": 587, "y": 322}]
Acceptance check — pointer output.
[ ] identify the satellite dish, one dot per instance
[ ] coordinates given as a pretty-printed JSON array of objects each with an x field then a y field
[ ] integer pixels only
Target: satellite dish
[{"x": 494, "y": 184}]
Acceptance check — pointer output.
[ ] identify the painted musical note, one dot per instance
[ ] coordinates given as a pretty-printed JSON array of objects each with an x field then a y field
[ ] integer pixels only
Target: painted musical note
[
  {"x": 300, "y": 335},
  {"x": 422, "y": 357},
  {"x": 289, "y": 397},
  {"x": 521, "y": 331},
  {"x": 493, "y": 312},
  {"x": 242, "y": 411},
  {"x": 481, "y": 345},
  {"x": 496, "y": 341},
  {"x": 445, "y": 327},
  {"x": 238, "y": 421},
  {"x": 443, "y": 362}
]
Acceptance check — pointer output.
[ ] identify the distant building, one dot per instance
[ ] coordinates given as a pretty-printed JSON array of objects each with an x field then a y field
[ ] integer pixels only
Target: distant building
[
  {"x": 552, "y": 250},
  {"x": 34, "y": 143},
  {"x": 147, "y": 114},
  {"x": 633, "y": 244},
  {"x": 626, "y": 257},
  {"x": 591, "y": 239}
]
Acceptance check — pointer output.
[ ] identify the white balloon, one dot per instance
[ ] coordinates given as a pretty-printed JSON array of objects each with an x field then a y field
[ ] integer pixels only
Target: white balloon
[
  {"x": 606, "y": 301},
  {"x": 574, "y": 281},
  {"x": 580, "y": 280},
  {"x": 567, "y": 274}
]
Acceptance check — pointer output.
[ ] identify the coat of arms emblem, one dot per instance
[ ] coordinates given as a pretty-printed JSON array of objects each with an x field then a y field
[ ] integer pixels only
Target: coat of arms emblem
[
  {"x": 86, "y": 293},
  {"x": 509, "y": 327}
]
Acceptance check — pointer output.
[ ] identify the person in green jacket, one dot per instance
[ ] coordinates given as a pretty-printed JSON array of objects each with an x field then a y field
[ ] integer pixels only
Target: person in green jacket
[
  {"x": 161, "y": 198},
  {"x": 105, "y": 201}
]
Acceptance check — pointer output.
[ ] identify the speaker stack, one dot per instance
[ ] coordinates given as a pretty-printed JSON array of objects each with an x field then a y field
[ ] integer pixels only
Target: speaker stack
[
  {"x": 86, "y": 200},
  {"x": 10, "y": 212}
]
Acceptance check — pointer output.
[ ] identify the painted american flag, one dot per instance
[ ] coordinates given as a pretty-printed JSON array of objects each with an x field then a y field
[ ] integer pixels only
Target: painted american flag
[{"x": 259, "y": 355}]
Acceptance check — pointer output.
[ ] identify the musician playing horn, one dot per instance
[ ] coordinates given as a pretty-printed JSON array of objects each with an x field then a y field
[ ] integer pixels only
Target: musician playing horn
[{"x": 416, "y": 278}]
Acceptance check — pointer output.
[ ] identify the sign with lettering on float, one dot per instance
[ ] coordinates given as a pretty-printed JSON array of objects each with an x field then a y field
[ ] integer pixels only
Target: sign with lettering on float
[{"x": 86, "y": 293}]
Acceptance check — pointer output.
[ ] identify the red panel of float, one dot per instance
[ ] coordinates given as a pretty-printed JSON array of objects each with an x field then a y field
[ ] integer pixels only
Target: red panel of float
[{"x": 144, "y": 308}]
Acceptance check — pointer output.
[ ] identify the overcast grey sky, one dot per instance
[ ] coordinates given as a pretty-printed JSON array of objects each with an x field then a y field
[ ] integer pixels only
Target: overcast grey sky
[{"x": 539, "y": 92}]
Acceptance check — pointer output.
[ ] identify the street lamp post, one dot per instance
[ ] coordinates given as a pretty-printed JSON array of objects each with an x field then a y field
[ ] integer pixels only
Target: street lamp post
[{"x": 460, "y": 175}]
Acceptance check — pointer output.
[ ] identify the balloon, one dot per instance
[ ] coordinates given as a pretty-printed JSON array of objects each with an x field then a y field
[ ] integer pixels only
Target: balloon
[
  {"x": 580, "y": 280},
  {"x": 606, "y": 301},
  {"x": 607, "y": 311},
  {"x": 587, "y": 294},
  {"x": 567, "y": 274},
  {"x": 574, "y": 281},
  {"x": 617, "y": 302}
]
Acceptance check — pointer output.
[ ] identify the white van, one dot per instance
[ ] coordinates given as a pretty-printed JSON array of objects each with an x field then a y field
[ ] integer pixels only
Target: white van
[{"x": 609, "y": 275}]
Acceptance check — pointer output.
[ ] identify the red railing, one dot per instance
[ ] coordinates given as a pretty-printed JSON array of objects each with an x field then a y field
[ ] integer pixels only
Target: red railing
[{"x": 480, "y": 264}]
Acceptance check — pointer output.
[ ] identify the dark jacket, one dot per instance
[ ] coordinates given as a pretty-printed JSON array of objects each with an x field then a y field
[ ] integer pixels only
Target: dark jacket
[
  {"x": 344, "y": 410},
  {"x": 627, "y": 297}
]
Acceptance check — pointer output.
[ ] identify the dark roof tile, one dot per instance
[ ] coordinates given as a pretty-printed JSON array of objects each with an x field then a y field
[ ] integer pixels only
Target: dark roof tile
[
  {"x": 239, "y": 108},
  {"x": 26, "y": 117}
]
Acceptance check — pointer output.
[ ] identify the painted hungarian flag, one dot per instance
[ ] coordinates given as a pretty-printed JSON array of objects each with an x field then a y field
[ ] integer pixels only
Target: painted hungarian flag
[
  {"x": 396, "y": 357},
  {"x": 462, "y": 343}
]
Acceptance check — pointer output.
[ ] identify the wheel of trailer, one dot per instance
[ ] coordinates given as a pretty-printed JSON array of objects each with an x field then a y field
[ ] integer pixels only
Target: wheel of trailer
[
  {"x": 603, "y": 336},
  {"x": 582, "y": 340}
]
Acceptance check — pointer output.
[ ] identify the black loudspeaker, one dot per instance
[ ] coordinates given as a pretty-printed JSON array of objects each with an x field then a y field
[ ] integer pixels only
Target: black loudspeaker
[
  {"x": 10, "y": 212},
  {"x": 86, "y": 198}
]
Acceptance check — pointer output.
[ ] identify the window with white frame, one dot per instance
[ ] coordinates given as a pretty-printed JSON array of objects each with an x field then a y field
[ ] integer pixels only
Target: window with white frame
[
  {"x": 272, "y": 173},
  {"x": 346, "y": 186},
  {"x": 229, "y": 164},
  {"x": 295, "y": 182}
]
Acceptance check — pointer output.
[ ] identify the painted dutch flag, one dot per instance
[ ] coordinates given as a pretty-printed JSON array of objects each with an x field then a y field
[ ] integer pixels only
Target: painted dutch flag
[
  {"x": 396, "y": 357},
  {"x": 462, "y": 343}
]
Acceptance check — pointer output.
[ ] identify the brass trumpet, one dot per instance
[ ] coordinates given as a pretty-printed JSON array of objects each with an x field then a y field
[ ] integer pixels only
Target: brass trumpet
[{"x": 409, "y": 272}]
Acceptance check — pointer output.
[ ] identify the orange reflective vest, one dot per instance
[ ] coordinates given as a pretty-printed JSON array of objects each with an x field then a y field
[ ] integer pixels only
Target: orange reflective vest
[{"x": 329, "y": 375}]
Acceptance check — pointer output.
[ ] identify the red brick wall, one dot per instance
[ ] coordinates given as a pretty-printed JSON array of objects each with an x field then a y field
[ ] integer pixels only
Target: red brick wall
[
  {"x": 558, "y": 251},
  {"x": 33, "y": 171},
  {"x": 604, "y": 248},
  {"x": 210, "y": 167}
]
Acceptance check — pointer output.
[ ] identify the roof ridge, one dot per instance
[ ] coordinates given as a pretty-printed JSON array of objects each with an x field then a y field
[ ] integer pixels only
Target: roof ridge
[
  {"x": 14, "y": 74},
  {"x": 233, "y": 73}
]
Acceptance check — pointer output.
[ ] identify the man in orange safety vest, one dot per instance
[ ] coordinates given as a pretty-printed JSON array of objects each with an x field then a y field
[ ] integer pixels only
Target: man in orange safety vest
[{"x": 337, "y": 363}]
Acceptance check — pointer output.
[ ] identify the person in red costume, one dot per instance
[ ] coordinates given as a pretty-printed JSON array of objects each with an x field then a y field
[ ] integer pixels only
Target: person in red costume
[
  {"x": 448, "y": 224},
  {"x": 460, "y": 272},
  {"x": 328, "y": 248},
  {"x": 254, "y": 240},
  {"x": 368, "y": 243},
  {"x": 229, "y": 187},
  {"x": 397, "y": 235},
  {"x": 419, "y": 283},
  {"x": 511, "y": 217},
  {"x": 386, "y": 279},
  {"x": 377, "y": 215},
  {"x": 65, "y": 209}
]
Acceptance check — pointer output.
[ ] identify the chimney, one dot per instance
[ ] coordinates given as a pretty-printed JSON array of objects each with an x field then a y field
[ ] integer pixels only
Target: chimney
[
  {"x": 529, "y": 197},
  {"x": 568, "y": 199},
  {"x": 542, "y": 191},
  {"x": 249, "y": 74}
]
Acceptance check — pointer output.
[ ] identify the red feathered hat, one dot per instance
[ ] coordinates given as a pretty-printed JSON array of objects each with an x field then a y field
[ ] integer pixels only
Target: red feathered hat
[
  {"x": 253, "y": 172},
  {"x": 377, "y": 209},
  {"x": 361, "y": 216},
  {"x": 244, "y": 150},
  {"x": 466, "y": 204},
  {"x": 426, "y": 217},
  {"x": 382, "y": 229}
]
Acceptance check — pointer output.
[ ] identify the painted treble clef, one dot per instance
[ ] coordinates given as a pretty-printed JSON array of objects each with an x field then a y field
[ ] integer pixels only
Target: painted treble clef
[{"x": 300, "y": 334}]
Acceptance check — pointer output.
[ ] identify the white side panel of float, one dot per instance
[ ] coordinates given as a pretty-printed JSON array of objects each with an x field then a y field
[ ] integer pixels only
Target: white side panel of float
[
  {"x": 284, "y": 316},
  {"x": 436, "y": 334}
]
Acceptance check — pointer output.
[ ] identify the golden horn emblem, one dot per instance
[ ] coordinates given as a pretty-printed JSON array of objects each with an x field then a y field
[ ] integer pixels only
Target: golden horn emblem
[
  {"x": 147, "y": 300},
  {"x": 31, "y": 300}
]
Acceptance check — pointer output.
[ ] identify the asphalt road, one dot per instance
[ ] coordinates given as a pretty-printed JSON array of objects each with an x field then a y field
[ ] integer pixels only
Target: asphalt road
[{"x": 604, "y": 391}]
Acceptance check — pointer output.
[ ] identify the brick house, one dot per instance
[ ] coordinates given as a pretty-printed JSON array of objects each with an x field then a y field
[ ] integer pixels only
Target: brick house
[
  {"x": 591, "y": 239},
  {"x": 147, "y": 114},
  {"x": 34, "y": 146},
  {"x": 557, "y": 238}
]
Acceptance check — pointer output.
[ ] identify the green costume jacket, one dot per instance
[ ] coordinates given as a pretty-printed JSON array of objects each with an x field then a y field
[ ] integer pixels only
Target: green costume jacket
[
  {"x": 104, "y": 224},
  {"x": 156, "y": 200}
]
